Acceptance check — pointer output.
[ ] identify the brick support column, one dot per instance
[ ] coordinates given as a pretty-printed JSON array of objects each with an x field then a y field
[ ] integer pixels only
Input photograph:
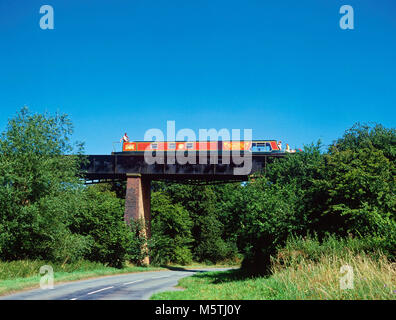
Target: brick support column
[{"x": 137, "y": 203}]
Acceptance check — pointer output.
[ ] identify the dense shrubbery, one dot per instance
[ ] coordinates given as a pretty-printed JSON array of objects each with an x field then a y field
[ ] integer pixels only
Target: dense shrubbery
[
  {"x": 46, "y": 213},
  {"x": 171, "y": 229},
  {"x": 347, "y": 191},
  {"x": 309, "y": 248},
  {"x": 35, "y": 183},
  {"x": 199, "y": 219},
  {"x": 99, "y": 218},
  {"x": 350, "y": 190}
]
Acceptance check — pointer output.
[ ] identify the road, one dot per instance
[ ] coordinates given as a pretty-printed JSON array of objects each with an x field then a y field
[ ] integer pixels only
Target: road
[{"x": 132, "y": 286}]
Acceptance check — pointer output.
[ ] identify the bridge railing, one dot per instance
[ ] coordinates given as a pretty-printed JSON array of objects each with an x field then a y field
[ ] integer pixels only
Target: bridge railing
[{"x": 115, "y": 144}]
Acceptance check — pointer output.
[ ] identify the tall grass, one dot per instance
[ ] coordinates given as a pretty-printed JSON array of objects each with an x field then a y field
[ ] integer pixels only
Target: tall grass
[
  {"x": 313, "y": 249},
  {"x": 305, "y": 269},
  {"x": 371, "y": 279}
]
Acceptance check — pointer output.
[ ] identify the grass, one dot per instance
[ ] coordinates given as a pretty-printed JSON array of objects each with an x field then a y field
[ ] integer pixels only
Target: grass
[
  {"x": 24, "y": 274},
  {"x": 303, "y": 270}
]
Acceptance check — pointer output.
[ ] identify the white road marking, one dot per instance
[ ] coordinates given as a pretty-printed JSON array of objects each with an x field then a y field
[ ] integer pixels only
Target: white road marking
[
  {"x": 133, "y": 281},
  {"x": 161, "y": 277},
  {"x": 100, "y": 290}
]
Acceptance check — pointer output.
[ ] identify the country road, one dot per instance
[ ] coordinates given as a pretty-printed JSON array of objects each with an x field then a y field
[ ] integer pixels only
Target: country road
[{"x": 133, "y": 286}]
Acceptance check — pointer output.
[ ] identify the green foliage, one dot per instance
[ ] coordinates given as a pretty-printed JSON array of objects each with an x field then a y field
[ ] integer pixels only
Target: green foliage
[
  {"x": 45, "y": 211},
  {"x": 269, "y": 208},
  {"x": 31, "y": 149},
  {"x": 137, "y": 248},
  {"x": 305, "y": 269},
  {"x": 297, "y": 248},
  {"x": 349, "y": 190},
  {"x": 47, "y": 214},
  {"x": 30, "y": 268},
  {"x": 171, "y": 229},
  {"x": 100, "y": 217},
  {"x": 359, "y": 187},
  {"x": 361, "y": 136},
  {"x": 23, "y": 274},
  {"x": 202, "y": 205},
  {"x": 35, "y": 180},
  {"x": 269, "y": 215}
]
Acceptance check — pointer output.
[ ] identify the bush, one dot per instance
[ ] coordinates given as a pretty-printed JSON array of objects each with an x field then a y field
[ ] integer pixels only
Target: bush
[
  {"x": 138, "y": 246},
  {"x": 348, "y": 190},
  {"x": 35, "y": 182},
  {"x": 171, "y": 231},
  {"x": 210, "y": 230},
  {"x": 100, "y": 216},
  {"x": 310, "y": 248}
]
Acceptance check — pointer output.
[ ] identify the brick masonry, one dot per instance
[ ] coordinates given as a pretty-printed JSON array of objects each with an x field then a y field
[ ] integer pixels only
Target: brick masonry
[{"x": 137, "y": 202}]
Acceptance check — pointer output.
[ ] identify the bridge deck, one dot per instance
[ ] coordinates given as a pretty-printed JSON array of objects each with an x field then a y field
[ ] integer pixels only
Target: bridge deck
[{"x": 118, "y": 166}]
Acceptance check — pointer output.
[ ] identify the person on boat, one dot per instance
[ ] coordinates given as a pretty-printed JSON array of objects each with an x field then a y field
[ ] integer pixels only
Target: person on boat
[
  {"x": 125, "y": 138},
  {"x": 280, "y": 145}
]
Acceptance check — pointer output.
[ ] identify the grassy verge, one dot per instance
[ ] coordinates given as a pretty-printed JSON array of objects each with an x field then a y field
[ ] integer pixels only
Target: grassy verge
[
  {"x": 303, "y": 270},
  {"x": 24, "y": 274}
]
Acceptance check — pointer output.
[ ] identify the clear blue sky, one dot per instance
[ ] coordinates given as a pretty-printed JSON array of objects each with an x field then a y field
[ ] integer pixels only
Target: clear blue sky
[{"x": 282, "y": 68}]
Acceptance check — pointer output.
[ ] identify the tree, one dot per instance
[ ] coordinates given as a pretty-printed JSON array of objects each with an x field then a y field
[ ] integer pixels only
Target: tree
[
  {"x": 275, "y": 205},
  {"x": 359, "y": 185},
  {"x": 361, "y": 136},
  {"x": 99, "y": 217},
  {"x": 171, "y": 230},
  {"x": 201, "y": 202},
  {"x": 35, "y": 180}
]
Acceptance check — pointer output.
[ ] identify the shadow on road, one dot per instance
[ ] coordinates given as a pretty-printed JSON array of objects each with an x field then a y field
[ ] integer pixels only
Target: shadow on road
[
  {"x": 182, "y": 269},
  {"x": 226, "y": 276},
  {"x": 220, "y": 277}
]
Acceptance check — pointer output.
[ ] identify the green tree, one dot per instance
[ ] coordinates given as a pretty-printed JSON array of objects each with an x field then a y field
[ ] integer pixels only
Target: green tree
[
  {"x": 359, "y": 185},
  {"x": 275, "y": 205},
  {"x": 171, "y": 231},
  {"x": 207, "y": 230},
  {"x": 45, "y": 210},
  {"x": 361, "y": 136},
  {"x": 99, "y": 217},
  {"x": 35, "y": 180}
]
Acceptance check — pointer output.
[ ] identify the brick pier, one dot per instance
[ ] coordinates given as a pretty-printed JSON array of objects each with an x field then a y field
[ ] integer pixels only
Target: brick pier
[{"x": 137, "y": 203}]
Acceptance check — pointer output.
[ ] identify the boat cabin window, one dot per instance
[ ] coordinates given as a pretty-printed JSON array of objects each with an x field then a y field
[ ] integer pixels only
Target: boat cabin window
[{"x": 261, "y": 147}]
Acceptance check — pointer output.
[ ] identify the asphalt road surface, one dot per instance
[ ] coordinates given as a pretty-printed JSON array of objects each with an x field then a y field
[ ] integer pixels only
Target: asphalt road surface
[{"x": 133, "y": 286}]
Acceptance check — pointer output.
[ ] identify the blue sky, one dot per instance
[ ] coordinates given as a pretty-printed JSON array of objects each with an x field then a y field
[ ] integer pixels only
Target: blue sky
[{"x": 285, "y": 69}]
